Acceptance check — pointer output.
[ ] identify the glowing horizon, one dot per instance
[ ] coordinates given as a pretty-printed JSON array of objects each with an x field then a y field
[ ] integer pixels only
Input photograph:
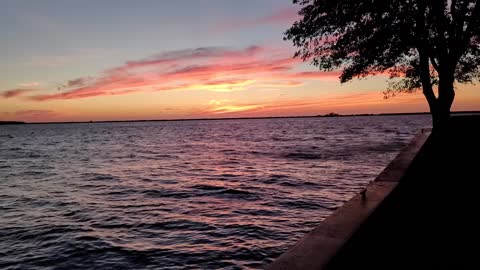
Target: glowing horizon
[{"x": 235, "y": 66}]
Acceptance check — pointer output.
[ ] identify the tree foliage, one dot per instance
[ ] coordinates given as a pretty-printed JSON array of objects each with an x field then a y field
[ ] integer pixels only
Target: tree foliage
[{"x": 419, "y": 43}]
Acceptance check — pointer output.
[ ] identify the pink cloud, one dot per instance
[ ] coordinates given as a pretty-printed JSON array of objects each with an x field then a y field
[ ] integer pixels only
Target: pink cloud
[
  {"x": 213, "y": 68},
  {"x": 15, "y": 92},
  {"x": 317, "y": 75},
  {"x": 173, "y": 58},
  {"x": 283, "y": 16}
]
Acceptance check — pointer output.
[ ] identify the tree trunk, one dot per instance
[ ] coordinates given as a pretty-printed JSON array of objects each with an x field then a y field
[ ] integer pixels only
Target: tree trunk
[
  {"x": 435, "y": 114},
  {"x": 440, "y": 107},
  {"x": 446, "y": 95}
]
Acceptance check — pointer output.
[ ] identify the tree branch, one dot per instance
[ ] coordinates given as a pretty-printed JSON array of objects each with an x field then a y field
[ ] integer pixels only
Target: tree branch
[
  {"x": 459, "y": 23},
  {"x": 453, "y": 8},
  {"x": 425, "y": 78},
  {"x": 472, "y": 24},
  {"x": 438, "y": 8},
  {"x": 452, "y": 26},
  {"x": 421, "y": 34},
  {"x": 434, "y": 63}
]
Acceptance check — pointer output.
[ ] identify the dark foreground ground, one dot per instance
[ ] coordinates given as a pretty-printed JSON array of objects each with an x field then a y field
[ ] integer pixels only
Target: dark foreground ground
[{"x": 430, "y": 220}]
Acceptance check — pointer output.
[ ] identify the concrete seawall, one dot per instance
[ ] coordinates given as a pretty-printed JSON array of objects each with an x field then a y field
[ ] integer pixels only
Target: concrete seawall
[{"x": 403, "y": 219}]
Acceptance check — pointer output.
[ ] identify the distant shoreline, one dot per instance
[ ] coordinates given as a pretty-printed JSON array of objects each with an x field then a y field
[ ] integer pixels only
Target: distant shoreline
[
  {"x": 12, "y": 123},
  {"x": 329, "y": 115}
]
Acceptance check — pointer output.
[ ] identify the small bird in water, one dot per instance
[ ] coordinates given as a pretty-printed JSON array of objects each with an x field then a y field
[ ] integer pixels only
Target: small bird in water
[{"x": 364, "y": 194}]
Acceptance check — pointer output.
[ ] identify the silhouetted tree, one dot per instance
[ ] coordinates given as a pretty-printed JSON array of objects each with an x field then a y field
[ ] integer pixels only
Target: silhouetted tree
[{"x": 429, "y": 44}]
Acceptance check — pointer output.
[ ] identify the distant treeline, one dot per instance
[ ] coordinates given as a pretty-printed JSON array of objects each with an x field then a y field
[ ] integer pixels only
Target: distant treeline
[
  {"x": 11, "y": 123},
  {"x": 383, "y": 114}
]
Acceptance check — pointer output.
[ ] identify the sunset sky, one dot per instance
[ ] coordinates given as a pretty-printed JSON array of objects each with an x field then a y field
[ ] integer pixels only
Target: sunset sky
[{"x": 124, "y": 60}]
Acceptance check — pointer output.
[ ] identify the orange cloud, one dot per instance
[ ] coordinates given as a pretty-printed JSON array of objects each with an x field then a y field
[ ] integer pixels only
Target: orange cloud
[
  {"x": 213, "y": 69},
  {"x": 218, "y": 102},
  {"x": 366, "y": 102},
  {"x": 233, "y": 108}
]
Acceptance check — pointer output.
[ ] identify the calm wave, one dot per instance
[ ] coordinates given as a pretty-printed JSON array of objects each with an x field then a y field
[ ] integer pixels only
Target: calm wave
[{"x": 227, "y": 194}]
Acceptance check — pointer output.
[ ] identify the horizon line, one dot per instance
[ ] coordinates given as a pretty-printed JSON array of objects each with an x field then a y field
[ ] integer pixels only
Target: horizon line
[{"x": 329, "y": 115}]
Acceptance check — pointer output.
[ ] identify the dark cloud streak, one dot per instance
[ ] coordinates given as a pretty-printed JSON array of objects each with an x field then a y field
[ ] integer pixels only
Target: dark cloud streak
[{"x": 15, "y": 92}]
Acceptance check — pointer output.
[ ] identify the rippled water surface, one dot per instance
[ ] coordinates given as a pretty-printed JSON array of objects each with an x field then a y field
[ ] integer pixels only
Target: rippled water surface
[{"x": 227, "y": 194}]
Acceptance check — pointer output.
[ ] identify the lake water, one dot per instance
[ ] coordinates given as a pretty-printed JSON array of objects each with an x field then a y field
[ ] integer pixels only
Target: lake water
[{"x": 225, "y": 194}]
